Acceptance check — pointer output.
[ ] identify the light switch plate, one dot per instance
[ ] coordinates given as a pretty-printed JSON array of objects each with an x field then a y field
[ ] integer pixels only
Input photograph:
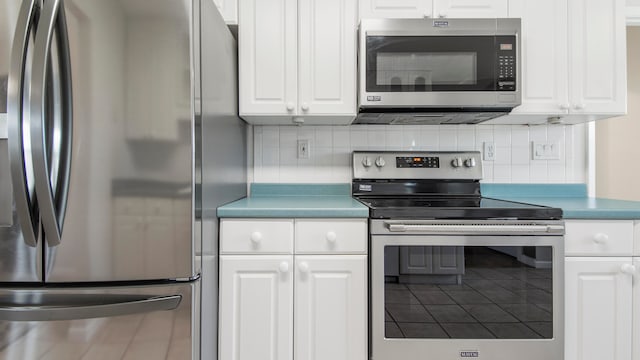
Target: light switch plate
[
  {"x": 488, "y": 151},
  {"x": 546, "y": 150},
  {"x": 303, "y": 149}
]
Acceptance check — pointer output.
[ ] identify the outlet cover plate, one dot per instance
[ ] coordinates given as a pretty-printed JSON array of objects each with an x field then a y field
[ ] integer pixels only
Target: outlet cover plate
[{"x": 546, "y": 150}]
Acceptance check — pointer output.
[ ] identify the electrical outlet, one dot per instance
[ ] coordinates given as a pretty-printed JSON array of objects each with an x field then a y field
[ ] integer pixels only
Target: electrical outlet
[
  {"x": 546, "y": 150},
  {"x": 488, "y": 151},
  {"x": 303, "y": 149}
]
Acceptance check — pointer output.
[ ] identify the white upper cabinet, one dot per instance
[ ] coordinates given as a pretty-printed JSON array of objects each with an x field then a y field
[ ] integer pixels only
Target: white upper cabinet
[
  {"x": 433, "y": 8},
  {"x": 573, "y": 60},
  {"x": 297, "y": 61},
  {"x": 597, "y": 45},
  {"x": 267, "y": 56},
  {"x": 544, "y": 55},
  {"x": 228, "y": 10}
]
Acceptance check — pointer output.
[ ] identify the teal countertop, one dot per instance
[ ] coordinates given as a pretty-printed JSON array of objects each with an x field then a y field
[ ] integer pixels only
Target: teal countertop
[
  {"x": 296, "y": 201},
  {"x": 571, "y": 198},
  {"x": 334, "y": 201}
]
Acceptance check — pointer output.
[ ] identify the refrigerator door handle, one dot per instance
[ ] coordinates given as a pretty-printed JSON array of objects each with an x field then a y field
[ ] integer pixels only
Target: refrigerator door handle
[
  {"x": 51, "y": 156},
  {"x": 25, "y": 200},
  {"x": 58, "y": 310}
]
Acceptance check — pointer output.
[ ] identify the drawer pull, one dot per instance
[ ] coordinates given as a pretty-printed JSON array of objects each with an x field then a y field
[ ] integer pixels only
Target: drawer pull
[
  {"x": 284, "y": 267},
  {"x": 331, "y": 237},
  {"x": 303, "y": 267},
  {"x": 600, "y": 238},
  {"x": 256, "y": 236},
  {"x": 628, "y": 269}
]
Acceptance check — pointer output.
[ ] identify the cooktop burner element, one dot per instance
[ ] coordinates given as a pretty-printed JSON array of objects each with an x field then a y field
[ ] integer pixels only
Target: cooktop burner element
[{"x": 432, "y": 185}]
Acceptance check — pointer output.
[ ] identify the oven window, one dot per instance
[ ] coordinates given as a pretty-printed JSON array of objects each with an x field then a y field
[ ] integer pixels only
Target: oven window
[
  {"x": 434, "y": 63},
  {"x": 470, "y": 292}
]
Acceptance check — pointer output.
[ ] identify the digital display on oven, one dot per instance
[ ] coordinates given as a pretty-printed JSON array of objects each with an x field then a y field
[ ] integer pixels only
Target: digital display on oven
[{"x": 417, "y": 162}]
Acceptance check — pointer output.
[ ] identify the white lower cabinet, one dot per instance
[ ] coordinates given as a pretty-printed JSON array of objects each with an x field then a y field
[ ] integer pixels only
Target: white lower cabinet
[
  {"x": 601, "y": 299},
  {"x": 302, "y": 305},
  {"x": 256, "y": 307}
]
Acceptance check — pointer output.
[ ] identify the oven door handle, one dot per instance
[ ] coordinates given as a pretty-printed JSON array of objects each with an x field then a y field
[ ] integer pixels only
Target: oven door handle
[{"x": 489, "y": 229}]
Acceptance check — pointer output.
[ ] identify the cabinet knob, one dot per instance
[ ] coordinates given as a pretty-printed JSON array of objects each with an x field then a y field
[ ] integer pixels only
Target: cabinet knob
[
  {"x": 442, "y": 14},
  {"x": 427, "y": 15},
  {"x": 564, "y": 106},
  {"x": 305, "y": 106},
  {"x": 600, "y": 238},
  {"x": 331, "y": 237},
  {"x": 579, "y": 107},
  {"x": 256, "y": 236},
  {"x": 303, "y": 267},
  {"x": 628, "y": 269},
  {"x": 283, "y": 267},
  {"x": 290, "y": 106}
]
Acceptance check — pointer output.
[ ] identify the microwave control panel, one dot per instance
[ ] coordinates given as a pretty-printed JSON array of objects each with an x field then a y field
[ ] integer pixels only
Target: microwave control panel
[{"x": 506, "y": 63}]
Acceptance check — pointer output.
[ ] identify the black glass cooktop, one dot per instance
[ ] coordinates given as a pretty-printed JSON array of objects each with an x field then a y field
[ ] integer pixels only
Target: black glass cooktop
[{"x": 471, "y": 207}]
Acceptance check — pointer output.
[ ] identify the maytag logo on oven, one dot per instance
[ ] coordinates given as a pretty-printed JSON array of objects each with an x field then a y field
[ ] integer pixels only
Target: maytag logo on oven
[
  {"x": 374, "y": 98},
  {"x": 364, "y": 187},
  {"x": 465, "y": 354},
  {"x": 440, "y": 23}
]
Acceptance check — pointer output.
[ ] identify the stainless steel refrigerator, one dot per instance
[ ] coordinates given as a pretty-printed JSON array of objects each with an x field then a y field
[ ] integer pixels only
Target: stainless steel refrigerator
[{"x": 118, "y": 124}]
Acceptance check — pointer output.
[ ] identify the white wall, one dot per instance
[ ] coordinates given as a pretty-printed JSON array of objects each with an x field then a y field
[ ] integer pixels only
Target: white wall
[
  {"x": 617, "y": 147},
  {"x": 275, "y": 160}
]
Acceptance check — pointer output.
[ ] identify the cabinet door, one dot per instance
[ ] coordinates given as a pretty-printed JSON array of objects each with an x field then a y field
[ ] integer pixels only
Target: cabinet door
[
  {"x": 327, "y": 57},
  {"x": 598, "y": 307},
  {"x": 267, "y": 57},
  {"x": 597, "y": 38},
  {"x": 229, "y": 10},
  {"x": 256, "y": 309},
  {"x": 387, "y": 9},
  {"x": 470, "y": 8},
  {"x": 331, "y": 307},
  {"x": 543, "y": 56}
]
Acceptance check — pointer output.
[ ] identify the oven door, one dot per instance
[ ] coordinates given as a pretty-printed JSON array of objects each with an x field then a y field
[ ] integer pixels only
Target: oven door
[{"x": 466, "y": 296}]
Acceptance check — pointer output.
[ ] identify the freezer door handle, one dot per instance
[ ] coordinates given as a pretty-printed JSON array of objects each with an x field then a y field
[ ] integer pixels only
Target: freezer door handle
[
  {"x": 25, "y": 197},
  {"x": 82, "y": 306},
  {"x": 51, "y": 128}
]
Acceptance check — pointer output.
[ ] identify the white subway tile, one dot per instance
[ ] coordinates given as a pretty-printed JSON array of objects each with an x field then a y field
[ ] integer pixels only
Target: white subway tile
[
  {"x": 324, "y": 136},
  {"x": 448, "y": 140},
  {"x": 484, "y": 134},
  {"x": 520, "y": 155},
  {"x": 520, "y": 136},
  {"x": 429, "y": 138},
  {"x": 538, "y": 172},
  {"x": 538, "y": 133},
  {"x": 467, "y": 140},
  {"x": 556, "y": 173},
  {"x": 271, "y": 136},
  {"x": 520, "y": 173},
  {"x": 359, "y": 139},
  {"x": 555, "y": 133},
  {"x": 411, "y": 139},
  {"x": 288, "y": 136},
  {"x": 502, "y": 135},
  {"x": 487, "y": 172},
  {"x": 341, "y": 136},
  {"x": 393, "y": 139},
  {"x": 376, "y": 139},
  {"x": 502, "y": 173},
  {"x": 502, "y": 156}
]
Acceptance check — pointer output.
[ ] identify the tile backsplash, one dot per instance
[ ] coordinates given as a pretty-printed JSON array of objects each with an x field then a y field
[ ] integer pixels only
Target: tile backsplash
[{"x": 275, "y": 150}]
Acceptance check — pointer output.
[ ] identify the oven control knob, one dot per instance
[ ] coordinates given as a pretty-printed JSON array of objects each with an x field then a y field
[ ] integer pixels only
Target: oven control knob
[
  {"x": 366, "y": 162},
  {"x": 380, "y": 162},
  {"x": 470, "y": 162},
  {"x": 456, "y": 163}
]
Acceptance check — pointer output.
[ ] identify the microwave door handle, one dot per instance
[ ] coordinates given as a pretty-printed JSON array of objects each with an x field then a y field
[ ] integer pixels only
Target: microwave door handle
[
  {"x": 25, "y": 202},
  {"x": 41, "y": 119},
  {"x": 95, "y": 308}
]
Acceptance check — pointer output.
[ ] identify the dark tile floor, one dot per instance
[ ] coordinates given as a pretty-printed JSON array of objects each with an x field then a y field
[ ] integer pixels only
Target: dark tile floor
[{"x": 512, "y": 302}]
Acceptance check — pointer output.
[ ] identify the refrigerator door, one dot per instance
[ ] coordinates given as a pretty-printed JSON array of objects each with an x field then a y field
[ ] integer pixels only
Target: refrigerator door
[
  {"x": 19, "y": 220},
  {"x": 111, "y": 103},
  {"x": 153, "y": 322}
]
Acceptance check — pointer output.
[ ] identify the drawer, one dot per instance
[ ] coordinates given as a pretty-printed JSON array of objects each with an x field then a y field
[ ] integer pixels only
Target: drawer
[
  {"x": 266, "y": 236},
  {"x": 331, "y": 236},
  {"x": 599, "y": 238}
]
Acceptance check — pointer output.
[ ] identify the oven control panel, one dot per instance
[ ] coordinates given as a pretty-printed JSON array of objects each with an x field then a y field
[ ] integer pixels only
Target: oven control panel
[{"x": 417, "y": 165}]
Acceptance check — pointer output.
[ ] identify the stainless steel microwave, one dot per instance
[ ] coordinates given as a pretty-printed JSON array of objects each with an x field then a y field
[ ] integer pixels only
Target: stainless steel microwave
[{"x": 415, "y": 71}]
